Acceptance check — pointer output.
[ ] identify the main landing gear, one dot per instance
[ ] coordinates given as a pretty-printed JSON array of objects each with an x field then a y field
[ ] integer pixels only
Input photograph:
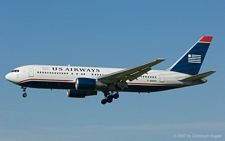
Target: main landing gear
[
  {"x": 24, "y": 91},
  {"x": 109, "y": 97}
]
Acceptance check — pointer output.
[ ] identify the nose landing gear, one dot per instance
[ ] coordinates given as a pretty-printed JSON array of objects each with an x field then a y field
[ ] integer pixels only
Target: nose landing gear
[
  {"x": 24, "y": 95},
  {"x": 24, "y": 91}
]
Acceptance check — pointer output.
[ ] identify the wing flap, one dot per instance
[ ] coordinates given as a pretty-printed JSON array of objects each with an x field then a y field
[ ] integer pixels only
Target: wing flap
[{"x": 199, "y": 76}]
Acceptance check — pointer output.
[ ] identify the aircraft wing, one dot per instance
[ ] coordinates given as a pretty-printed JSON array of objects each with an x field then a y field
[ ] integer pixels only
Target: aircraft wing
[
  {"x": 129, "y": 74},
  {"x": 199, "y": 76}
]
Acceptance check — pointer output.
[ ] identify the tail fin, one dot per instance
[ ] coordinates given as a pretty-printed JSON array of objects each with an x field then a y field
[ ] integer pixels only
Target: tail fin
[{"x": 191, "y": 61}]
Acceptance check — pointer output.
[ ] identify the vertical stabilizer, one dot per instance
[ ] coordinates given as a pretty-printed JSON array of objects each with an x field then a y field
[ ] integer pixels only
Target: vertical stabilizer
[{"x": 191, "y": 61}]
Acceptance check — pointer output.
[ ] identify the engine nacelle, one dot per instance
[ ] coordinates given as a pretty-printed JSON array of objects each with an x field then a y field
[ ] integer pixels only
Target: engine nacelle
[
  {"x": 80, "y": 93},
  {"x": 88, "y": 84}
]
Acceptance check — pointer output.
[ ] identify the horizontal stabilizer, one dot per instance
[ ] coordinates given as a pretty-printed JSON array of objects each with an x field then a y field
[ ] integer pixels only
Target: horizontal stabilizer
[{"x": 199, "y": 76}]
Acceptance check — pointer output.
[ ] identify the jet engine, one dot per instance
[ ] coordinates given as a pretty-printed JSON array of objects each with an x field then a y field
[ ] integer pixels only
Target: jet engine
[
  {"x": 89, "y": 84},
  {"x": 80, "y": 93}
]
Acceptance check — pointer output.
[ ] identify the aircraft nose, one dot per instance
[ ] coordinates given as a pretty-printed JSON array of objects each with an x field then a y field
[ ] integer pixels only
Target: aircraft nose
[
  {"x": 11, "y": 78},
  {"x": 7, "y": 77}
]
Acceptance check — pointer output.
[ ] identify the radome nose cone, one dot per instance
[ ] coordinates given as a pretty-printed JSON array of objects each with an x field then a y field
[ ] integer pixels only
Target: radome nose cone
[
  {"x": 10, "y": 78},
  {"x": 7, "y": 77}
]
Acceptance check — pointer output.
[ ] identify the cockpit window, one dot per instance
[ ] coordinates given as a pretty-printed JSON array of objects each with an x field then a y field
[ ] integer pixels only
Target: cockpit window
[{"x": 15, "y": 71}]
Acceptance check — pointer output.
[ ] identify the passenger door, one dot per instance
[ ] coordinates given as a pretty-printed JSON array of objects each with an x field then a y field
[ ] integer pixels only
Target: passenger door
[
  {"x": 161, "y": 78},
  {"x": 31, "y": 72}
]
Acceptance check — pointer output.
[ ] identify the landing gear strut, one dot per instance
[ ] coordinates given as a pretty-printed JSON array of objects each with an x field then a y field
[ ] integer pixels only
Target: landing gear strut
[
  {"x": 109, "y": 97},
  {"x": 24, "y": 91}
]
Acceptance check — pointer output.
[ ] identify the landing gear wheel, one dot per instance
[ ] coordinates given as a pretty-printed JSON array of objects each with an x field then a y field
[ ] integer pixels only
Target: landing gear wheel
[
  {"x": 24, "y": 95},
  {"x": 115, "y": 96},
  {"x": 104, "y": 101},
  {"x": 109, "y": 98},
  {"x": 24, "y": 91}
]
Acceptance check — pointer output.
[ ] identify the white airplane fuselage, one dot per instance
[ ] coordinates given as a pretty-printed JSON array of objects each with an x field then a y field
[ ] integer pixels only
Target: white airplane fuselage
[{"x": 64, "y": 77}]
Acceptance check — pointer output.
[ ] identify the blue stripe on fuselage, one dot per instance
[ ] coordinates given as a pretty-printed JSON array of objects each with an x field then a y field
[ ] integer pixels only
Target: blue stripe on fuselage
[
  {"x": 70, "y": 85},
  {"x": 48, "y": 85}
]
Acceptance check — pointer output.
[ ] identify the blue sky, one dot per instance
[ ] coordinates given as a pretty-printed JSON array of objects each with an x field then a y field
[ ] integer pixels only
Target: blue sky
[{"x": 110, "y": 34}]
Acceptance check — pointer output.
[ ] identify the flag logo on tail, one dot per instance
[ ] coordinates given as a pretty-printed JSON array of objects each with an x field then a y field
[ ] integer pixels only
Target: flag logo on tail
[{"x": 194, "y": 58}]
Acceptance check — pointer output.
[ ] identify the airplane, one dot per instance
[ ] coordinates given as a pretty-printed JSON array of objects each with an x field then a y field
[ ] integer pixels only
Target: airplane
[{"x": 87, "y": 81}]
